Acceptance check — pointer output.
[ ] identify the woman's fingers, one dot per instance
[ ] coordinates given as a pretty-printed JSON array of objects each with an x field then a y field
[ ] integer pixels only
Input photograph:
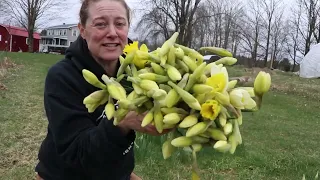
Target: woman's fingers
[{"x": 150, "y": 129}]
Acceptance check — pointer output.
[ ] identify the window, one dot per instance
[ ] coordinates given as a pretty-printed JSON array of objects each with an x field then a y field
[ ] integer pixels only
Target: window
[
  {"x": 74, "y": 33},
  {"x": 26, "y": 40},
  {"x": 0, "y": 37},
  {"x": 64, "y": 32}
]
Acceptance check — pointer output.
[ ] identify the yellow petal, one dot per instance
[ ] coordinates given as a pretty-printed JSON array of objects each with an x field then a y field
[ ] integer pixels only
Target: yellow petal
[
  {"x": 218, "y": 82},
  {"x": 131, "y": 47},
  {"x": 226, "y": 77},
  {"x": 210, "y": 109},
  {"x": 144, "y": 48},
  {"x": 206, "y": 111},
  {"x": 139, "y": 63}
]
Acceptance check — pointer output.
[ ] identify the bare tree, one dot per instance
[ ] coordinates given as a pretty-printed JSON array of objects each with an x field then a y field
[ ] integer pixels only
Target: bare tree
[
  {"x": 156, "y": 23},
  {"x": 224, "y": 31},
  {"x": 28, "y": 13},
  {"x": 278, "y": 37},
  {"x": 1, "y": 6},
  {"x": 293, "y": 39},
  {"x": 201, "y": 28},
  {"x": 251, "y": 30},
  {"x": 316, "y": 33},
  {"x": 309, "y": 21},
  {"x": 233, "y": 11},
  {"x": 177, "y": 15},
  {"x": 270, "y": 7}
]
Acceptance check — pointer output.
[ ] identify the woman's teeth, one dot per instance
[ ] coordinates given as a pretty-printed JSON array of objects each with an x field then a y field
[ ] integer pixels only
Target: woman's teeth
[{"x": 110, "y": 45}]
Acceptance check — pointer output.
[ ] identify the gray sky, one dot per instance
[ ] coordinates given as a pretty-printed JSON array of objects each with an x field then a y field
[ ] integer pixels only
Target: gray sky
[{"x": 71, "y": 15}]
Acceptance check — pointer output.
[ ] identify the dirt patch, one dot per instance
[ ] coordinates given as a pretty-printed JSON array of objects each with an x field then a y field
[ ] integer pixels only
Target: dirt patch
[
  {"x": 5, "y": 65},
  {"x": 2, "y": 86},
  {"x": 255, "y": 70}
]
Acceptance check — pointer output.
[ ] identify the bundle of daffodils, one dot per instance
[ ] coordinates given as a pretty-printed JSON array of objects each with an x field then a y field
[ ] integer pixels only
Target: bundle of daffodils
[{"x": 179, "y": 91}]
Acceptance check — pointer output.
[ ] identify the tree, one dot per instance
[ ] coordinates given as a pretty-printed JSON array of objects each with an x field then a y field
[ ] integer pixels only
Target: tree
[
  {"x": 28, "y": 13},
  {"x": 293, "y": 39},
  {"x": 251, "y": 30},
  {"x": 309, "y": 21},
  {"x": 166, "y": 16},
  {"x": 270, "y": 7},
  {"x": 1, "y": 6},
  {"x": 201, "y": 28},
  {"x": 278, "y": 37}
]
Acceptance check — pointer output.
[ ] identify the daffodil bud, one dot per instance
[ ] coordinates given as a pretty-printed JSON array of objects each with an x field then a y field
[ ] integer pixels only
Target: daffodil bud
[
  {"x": 218, "y": 51},
  {"x": 250, "y": 90},
  {"x": 227, "y": 61},
  {"x": 223, "y": 98},
  {"x": 262, "y": 83},
  {"x": 167, "y": 149}
]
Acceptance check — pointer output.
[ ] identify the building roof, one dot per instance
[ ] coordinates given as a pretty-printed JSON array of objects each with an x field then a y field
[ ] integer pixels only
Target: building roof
[
  {"x": 17, "y": 31},
  {"x": 63, "y": 26}
]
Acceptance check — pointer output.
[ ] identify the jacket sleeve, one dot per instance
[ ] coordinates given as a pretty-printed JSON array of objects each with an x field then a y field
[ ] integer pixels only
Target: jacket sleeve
[{"x": 79, "y": 141}]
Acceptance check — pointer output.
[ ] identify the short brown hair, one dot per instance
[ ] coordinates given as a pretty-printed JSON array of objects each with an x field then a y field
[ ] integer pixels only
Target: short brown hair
[{"x": 85, "y": 6}]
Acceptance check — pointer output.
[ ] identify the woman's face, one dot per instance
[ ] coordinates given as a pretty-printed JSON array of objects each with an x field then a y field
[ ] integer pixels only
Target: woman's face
[{"x": 106, "y": 30}]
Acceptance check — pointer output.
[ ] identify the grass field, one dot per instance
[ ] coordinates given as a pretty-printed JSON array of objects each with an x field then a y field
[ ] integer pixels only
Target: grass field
[{"x": 279, "y": 142}]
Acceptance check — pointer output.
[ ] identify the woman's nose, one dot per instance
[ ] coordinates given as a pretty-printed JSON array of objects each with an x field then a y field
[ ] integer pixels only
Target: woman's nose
[{"x": 112, "y": 31}]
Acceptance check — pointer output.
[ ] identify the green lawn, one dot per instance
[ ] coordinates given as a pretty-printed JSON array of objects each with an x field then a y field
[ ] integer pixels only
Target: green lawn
[{"x": 279, "y": 142}]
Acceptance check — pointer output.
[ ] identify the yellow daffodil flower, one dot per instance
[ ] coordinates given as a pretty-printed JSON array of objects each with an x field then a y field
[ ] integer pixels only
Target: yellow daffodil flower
[
  {"x": 139, "y": 63},
  {"x": 241, "y": 99},
  {"x": 210, "y": 109},
  {"x": 218, "y": 82},
  {"x": 219, "y": 78},
  {"x": 131, "y": 47}
]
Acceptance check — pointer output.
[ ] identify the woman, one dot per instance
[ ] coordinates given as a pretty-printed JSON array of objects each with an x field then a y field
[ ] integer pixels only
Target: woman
[{"x": 80, "y": 145}]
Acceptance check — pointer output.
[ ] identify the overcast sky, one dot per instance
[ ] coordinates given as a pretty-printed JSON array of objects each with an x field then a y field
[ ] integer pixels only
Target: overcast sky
[{"x": 71, "y": 15}]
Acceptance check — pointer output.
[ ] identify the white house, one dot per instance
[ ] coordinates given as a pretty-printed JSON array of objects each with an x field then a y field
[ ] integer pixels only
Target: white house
[{"x": 58, "y": 38}]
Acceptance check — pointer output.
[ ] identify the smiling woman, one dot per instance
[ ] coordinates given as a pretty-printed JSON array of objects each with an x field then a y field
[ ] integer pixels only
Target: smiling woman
[
  {"x": 105, "y": 25},
  {"x": 81, "y": 145}
]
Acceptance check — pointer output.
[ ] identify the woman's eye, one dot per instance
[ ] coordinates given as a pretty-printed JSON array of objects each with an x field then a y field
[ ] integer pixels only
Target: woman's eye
[
  {"x": 120, "y": 24},
  {"x": 100, "y": 25}
]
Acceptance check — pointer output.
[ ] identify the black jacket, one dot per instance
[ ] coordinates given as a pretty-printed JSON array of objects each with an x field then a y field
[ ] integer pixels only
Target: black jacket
[{"x": 80, "y": 145}]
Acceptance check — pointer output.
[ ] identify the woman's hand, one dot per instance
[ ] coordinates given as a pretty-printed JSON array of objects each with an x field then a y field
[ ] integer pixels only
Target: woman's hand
[
  {"x": 134, "y": 177},
  {"x": 133, "y": 121}
]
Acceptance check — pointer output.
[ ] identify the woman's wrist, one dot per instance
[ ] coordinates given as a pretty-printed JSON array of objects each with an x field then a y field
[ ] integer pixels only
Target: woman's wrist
[{"x": 124, "y": 127}]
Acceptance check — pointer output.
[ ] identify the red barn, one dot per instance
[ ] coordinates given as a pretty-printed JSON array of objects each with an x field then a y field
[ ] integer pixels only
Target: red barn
[{"x": 14, "y": 39}]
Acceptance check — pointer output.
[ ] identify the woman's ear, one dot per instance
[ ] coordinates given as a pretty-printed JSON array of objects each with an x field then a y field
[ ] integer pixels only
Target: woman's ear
[{"x": 82, "y": 30}]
